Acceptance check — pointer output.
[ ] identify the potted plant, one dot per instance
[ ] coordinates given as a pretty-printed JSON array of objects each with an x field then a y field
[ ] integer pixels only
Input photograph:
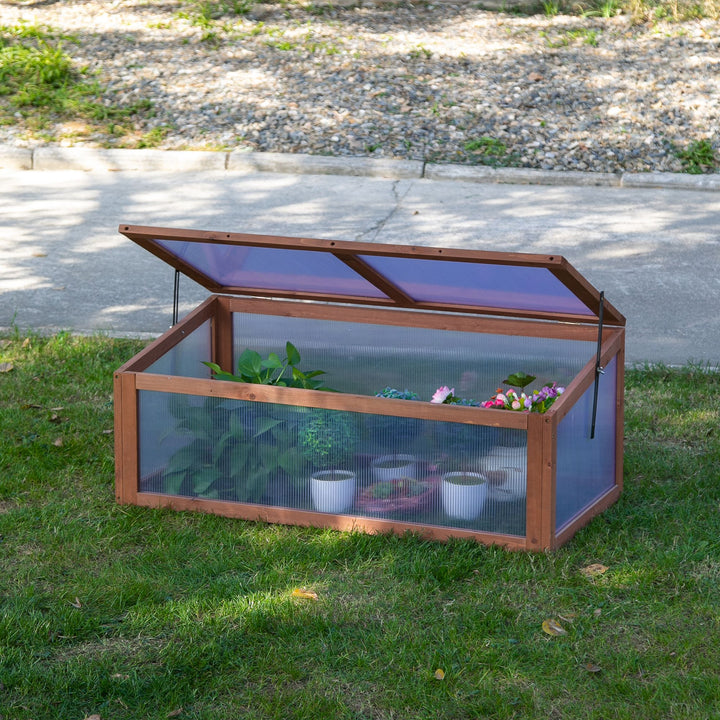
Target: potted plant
[
  {"x": 391, "y": 467},
  {"x": 505, "y": 468},
  {"x": 463, "y": 493},
  {"x": 327, "y": 441}
]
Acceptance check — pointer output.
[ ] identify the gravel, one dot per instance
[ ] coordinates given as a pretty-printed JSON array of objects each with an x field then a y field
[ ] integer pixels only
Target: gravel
[{"x": 443, "y": 83}]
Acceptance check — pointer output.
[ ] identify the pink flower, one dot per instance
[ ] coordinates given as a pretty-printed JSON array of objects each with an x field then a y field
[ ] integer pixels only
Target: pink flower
[
  {"x": 442, "y": 394},
  {"x": 516, "y": 405}
]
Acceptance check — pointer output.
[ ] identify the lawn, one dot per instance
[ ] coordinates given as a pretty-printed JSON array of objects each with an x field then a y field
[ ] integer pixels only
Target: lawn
[{"x": 133, "y": 613}]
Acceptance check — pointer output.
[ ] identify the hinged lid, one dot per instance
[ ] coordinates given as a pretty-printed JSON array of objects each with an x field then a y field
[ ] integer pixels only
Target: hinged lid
[{"x": 542, "y": 287}]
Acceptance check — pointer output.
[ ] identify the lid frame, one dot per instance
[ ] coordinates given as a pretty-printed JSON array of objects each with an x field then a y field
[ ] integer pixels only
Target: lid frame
[{"x": 350, "y": 254}]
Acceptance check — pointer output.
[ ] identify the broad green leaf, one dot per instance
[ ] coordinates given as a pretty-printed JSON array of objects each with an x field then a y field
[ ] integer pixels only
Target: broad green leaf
[
  {"x": 238, "y": 458},
  {"x": 263, "y": 424},
  {"x": 268, "y": 455},
  {"x": 203, "y": 479},
  {"x": 314, "y": 373},
  {"x": 249, "y": 363},
  {"x": 293, "y": 355},
  {"x": 290, "y": 461},
  {"x": 273, "y": 361},
  {"x": 184, "y": 458},
  {"x": 173, "y": 482},
  {"x": 519, "y": 379}
]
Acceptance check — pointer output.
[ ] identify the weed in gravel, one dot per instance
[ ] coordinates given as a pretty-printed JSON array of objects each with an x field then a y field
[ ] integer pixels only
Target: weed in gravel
[
  {"x": 698, "y": 157},
  {"x": 490, "y": 151}
]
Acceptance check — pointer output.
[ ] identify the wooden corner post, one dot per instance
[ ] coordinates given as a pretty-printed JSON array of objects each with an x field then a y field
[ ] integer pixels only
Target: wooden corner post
[{"x": 126, "y": 438}]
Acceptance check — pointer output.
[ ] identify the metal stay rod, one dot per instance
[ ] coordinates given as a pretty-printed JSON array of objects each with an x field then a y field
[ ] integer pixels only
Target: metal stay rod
[
  {"x": 176, "y": 298},
  {"x": 599, "y": 370}
]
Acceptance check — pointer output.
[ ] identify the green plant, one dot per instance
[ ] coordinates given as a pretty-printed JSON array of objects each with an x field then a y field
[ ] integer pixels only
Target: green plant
[
  {"x": 551, "y": 8},
  {"x": 538, "y": 401},
  {"x": 394, "y": 394},
  {"x": 233, "y": 448},
  {"x": 488, "y": 150},
  {"x": 698, "y": 157},
  {"x": 39, "y": 83},
  {"x": 153, "y": 138},
  {"x": 251, "y": 368},
  {"x": 419, "y": 52},
  {"x": 328, "y": 438}
]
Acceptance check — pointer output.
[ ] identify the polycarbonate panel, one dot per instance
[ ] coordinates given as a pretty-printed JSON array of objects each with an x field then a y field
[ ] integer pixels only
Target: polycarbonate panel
[
  {"x": 506, "y": 287},
  {"x": 186, "y": 358},
  {"x": 585, "y": 466},
  {"x": 366, "y": 358},
  {"x": 333, "y": 461},
  {"x": 262, "y": 268}
]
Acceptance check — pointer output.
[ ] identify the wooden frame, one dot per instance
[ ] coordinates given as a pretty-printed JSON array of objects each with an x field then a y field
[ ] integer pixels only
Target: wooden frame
[
  {"x": 541, "y": 533},
  {"x": 398, "y": 309}
]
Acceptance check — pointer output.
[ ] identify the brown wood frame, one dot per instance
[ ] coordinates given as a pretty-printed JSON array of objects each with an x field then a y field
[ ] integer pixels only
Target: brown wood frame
[{"x": 541, "y": 533}]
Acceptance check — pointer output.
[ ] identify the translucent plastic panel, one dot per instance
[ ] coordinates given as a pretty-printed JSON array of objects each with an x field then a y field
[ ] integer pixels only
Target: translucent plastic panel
[
  {"x": 237, "y": 266},
  {"x": 365, "y": 359},
  {"x": 186, "y": 358},
  {"x": 402, "y": 469},
  {"x": 585, "y": 467},
  {"x": 495, "y": 286}
]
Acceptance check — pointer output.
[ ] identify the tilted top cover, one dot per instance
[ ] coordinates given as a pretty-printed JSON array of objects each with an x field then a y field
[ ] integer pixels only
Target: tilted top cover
[{"x": 543, "y": 287}]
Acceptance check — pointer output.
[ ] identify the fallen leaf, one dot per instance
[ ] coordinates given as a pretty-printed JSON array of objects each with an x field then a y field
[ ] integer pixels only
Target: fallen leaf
[
  {"x": 594, "y": 570},
  {"x": 55, "y": 418},
  {"x": 592, "y": 668},
  {"x": 597, "y": 612},
  {"x": 535, "y": 77},
  {"x": 439, "y": 674},
  {"x": 108, "y": 432},
  {"x": 58, "y": 442},
  {"x": 93, "y": 717},
  {"x": 119, "y": 676},
  {"x": 39, "y": 254},
  {"x": 175, "y": 713},
  {"x": 305, "y": 594},
  {"x": 77, "y": 604},
  {"x": 553, "y": 627},
  {"x": 26, "y": 342},
  {"x": 5, "y": 343},
  {"x": 568, "y": 617},
  {"x": 6, "y": 367}
]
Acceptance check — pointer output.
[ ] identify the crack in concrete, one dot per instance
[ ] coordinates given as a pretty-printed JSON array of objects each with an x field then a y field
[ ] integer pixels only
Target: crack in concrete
[{"x": 378, "y": 227}]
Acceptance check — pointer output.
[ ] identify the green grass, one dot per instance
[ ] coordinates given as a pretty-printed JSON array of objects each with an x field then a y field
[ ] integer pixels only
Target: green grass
[
  {"x": 699, "y": 157},
  {"x": 136, "y": 613},
  {"x": 40, "y": 85}
]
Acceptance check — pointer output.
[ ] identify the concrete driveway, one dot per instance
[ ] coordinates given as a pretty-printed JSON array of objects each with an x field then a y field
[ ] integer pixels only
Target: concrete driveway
[{"x": 655, "y": 252}]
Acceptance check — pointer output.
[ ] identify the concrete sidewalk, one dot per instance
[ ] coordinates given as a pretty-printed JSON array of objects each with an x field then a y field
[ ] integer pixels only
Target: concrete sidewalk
[{"x": 654, "y": 250}]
